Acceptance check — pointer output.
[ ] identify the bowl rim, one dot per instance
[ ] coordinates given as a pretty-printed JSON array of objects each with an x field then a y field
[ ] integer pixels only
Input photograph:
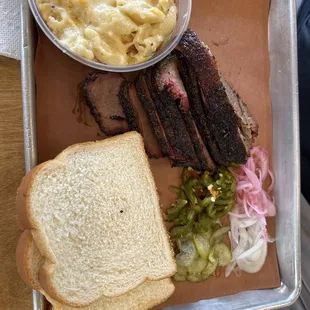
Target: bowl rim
[{"x": 101, "y": 66}]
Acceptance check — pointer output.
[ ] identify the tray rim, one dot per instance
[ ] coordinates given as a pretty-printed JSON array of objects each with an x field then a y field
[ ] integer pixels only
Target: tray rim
[{"x": 280, "y": 297}]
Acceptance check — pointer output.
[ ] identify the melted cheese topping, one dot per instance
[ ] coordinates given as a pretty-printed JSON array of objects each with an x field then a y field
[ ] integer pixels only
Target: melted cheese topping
[{"x": 114, "y": 32}]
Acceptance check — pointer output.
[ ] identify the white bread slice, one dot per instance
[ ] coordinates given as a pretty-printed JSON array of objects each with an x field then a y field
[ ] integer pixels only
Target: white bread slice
[
  {"x": 145, "y": 296},
  {"x": 94, "y": 214}
]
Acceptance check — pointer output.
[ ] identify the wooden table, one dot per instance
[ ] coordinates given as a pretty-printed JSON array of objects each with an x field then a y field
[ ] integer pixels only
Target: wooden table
[{"x": 14, "y": 294}]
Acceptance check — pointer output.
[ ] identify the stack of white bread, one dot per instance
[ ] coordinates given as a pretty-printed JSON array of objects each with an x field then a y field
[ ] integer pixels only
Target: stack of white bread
[{"x": 94, "y": 236}]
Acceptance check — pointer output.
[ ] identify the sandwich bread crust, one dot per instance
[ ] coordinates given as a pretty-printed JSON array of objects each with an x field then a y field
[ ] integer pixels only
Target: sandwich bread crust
[{"x": 145, "y": 296}]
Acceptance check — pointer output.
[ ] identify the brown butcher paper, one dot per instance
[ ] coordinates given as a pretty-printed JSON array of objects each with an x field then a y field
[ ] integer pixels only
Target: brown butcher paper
[{"x": 237, "y": 33}]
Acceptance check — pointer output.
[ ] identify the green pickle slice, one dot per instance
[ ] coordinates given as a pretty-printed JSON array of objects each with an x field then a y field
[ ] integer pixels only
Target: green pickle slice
[
  {"x": 203, "y": 198},
  {"x": 209, "y": 270},
  {"x": 197, "y": 266},
  {"x": 202, "y": 244},
  {"x": 218, "y": 235},
  {"x": 222, "y": 253}
]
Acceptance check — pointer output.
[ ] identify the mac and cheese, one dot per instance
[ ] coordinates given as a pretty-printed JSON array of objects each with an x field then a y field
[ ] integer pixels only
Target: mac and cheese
[{"x": 114, "y": 32}]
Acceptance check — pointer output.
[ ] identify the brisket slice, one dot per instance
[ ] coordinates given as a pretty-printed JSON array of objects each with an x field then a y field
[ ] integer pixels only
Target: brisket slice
[
  {"x": 147, "y": 101},
  {"x": 171, "y": 81},
  {"x": 221, "y": 117},
  {"x": 127, "y": 105},
  {"x": 163, "y": 95},
  {"x": 100, "y": 91},
  {"x": 247, "y": 125},
  {"x": 190, "y": 82},
  {"x": 138, "y": 119}
]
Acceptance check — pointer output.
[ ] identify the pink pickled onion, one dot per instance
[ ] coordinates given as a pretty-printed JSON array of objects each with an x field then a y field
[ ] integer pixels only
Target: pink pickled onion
[
  {"x": 253, "y": 205},
  {"x": 250, "y": 179},
  {"x": 259, "y": 156}
]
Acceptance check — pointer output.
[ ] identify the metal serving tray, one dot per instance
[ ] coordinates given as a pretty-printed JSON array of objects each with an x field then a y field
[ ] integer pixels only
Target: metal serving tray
[{"x": 284, "y": 95}]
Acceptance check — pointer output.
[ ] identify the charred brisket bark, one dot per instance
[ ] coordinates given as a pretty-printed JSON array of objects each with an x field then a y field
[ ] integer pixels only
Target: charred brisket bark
[
  {"x": 171, "y": 117},
  {"x": 127, "y": 105},
  {"x": 221, "y": 117},
  {"x": 138, "y": 119},
  {"x": 190, "y": 82},
  {"x": 170, "y": 80},
  {"x": 147, "y": 101}
]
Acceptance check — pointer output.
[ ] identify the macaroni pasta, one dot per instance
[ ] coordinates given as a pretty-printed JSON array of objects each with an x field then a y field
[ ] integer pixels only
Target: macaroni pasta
[{"x": 114, "y": 32}]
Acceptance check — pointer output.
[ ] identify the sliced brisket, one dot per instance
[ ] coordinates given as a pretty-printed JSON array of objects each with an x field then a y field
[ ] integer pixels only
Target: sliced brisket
[
  {"x": 147, "y": 101},
  {"x": 127, "y": 106},
  {"x": 163, "y": 94},
  {"x": 169, "y": 79},
  {"x": 221, "y": 117},
  {"x": 247, "y": 125},
  {"x": 100, "y": 91},
  {"x": 190, "y": 82},
  {"x": 138, "y": 118}
]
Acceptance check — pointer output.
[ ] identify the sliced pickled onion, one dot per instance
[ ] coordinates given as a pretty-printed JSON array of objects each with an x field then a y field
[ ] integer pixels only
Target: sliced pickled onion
[
  {"x": 230, "y": 268},
  {"x": 255, "y": 262},
  {"x": 248, "y": 253},
  {"x": 248, "y": 234}
]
